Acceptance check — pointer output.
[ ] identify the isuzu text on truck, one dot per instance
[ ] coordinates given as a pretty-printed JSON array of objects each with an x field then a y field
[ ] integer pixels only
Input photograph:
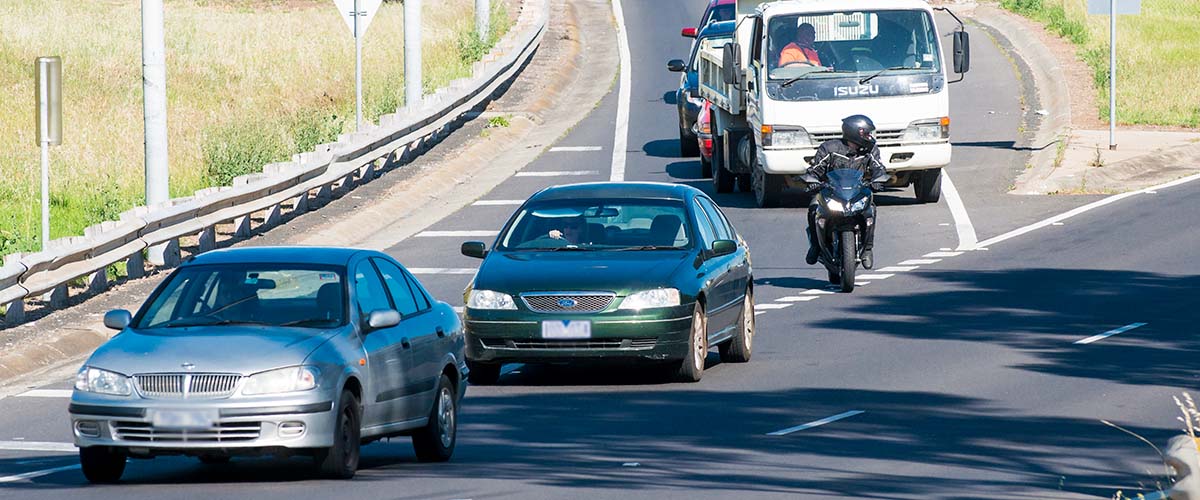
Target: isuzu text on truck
[{"x": 880, "y": 58}]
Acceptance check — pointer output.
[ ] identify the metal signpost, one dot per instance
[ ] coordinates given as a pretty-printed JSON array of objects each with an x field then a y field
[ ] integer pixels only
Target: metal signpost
[
  {"x": 49, "y": 129},
  {"x": 358, "y": 15},
  {"x": 1112, "y": 8},
  {"x": 412, "y": 53}
]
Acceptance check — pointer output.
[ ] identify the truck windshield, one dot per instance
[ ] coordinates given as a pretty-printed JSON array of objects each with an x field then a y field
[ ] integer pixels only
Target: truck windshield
[{"x": 856, "y": 43}]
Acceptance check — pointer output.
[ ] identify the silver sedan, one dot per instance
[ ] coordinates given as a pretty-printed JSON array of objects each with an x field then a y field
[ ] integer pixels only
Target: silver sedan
[{"x": 273, "y": 351}]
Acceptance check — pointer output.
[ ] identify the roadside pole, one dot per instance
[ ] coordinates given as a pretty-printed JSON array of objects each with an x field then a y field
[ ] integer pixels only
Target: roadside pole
[
  {"x": 358, "y": 15},
  {"x": 154, "y": 109},
  {"x": 412, "y": 53},
  {"x": 49, "y": 128},
  {"x": 483, "y": 17},
  {"x": 1112, "y": 8}
]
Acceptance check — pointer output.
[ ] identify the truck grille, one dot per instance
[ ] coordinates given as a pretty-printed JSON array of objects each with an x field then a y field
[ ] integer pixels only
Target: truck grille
[
  {"x": 221, "y": 433},
  {"x": 882, "y": 137},
  {"x": 575, "y": 302},
  {"x": 187, "y": 385},
  {"x": 570, "y": 344}
]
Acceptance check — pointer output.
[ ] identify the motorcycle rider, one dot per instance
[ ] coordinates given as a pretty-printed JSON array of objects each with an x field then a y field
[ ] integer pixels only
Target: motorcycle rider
[{"x": 855, "y": 150}]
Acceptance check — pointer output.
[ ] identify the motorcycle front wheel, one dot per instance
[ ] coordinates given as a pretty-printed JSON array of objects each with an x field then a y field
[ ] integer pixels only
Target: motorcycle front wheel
[{"x": 849, "y": 249}]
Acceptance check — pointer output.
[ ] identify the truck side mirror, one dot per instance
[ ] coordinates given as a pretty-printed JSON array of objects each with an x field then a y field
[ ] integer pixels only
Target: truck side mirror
[
  {"x": 962, "y": 52},
  {"x": 676, "y": 65},
  {"x": 731, "y": 63}
]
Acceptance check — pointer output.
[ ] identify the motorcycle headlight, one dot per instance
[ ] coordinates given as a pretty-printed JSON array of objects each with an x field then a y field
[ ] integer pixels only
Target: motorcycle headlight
[
  {"x": 290, "y": 379},
  {"x": 487, "y": 299},
  {"x": 859, "y": 204},
  {"x": 927, "y": 131},
  {"x": 102, "y": 382},
  {"x": 834, "y": 205},
  {"x": 661, "y": 297},
  {"x": 791, "y": 138}
]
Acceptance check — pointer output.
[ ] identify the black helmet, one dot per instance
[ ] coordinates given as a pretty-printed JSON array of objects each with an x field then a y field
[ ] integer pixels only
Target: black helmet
[{"x": 859, "y": 129}]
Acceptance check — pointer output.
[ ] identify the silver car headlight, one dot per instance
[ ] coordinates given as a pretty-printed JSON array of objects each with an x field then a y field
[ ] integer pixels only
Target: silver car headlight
[
  {"x": 661, "y": 297},
  {"x": 102, "y": 382},
  {"x": 290, "y": 379},
  {"x": 487, "y": 299}
]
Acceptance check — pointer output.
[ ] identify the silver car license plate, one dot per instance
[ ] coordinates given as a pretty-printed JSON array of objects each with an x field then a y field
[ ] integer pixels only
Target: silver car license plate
[
  {"x": 183, "y": 419},
  {"x": 567, "y": 329}
]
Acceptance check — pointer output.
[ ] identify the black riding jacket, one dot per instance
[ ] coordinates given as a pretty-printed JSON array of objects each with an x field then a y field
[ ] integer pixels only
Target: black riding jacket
[{"x": 835, "y": 154}]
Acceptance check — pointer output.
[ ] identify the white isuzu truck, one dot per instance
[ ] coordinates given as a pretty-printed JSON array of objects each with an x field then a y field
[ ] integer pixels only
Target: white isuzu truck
[{"x": 797, "y": 67}]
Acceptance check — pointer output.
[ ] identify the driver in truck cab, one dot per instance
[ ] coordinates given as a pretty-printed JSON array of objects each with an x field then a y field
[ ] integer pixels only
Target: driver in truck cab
[
  {"x": 854, "y": 150},
  {"x": 801, "y": 50}
]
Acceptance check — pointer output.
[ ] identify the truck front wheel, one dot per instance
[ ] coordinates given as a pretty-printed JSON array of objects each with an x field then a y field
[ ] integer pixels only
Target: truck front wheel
[
  {"x": 928, "y": 185},
  {"x": 768, "y": 189}
]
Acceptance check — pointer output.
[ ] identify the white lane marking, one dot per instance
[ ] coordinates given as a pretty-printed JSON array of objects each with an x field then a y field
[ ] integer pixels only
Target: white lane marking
[
  {"x": 37, "y": 473},
  {"x": 1056, "y": 224},
  {"x": 1110, "y": 333},
  {"x": 462, "y": 234},
  {"x": 816, "y": 423},
  {"x": 1090, "y": 206},
  {"x": 46, "y": 393},
  {"x": 573, "y": 149},
  {"x": 771, "y": 306},
  {"x": 816, "y": 291},
  {"x": 861, "y": 283},
  {"x": 37, "y": 446},
  {"x": 621, "y": 134},
  {"x": 558, "y": 173},
  {"x": 920, "y": 262},
  {"x": 797, "y": 298},
  {"x": 962, "y": 222},
  {"x": 485, "y": 203},
  {"x": 874, "y": 276},
  {"x": 440, "y": 270},
  {"x": 756, "y": 313},
  {"x": 459, "y": 309},
  {"x": 942, "y": 254},
  {"x": 896, "y": 269}
]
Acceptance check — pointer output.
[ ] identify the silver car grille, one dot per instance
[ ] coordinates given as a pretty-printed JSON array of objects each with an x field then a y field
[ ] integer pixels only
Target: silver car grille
[
  {"x": 882, "y": 137},
  {"x": 187, "y": 385},
  {"x": 220, "y": 433},
  {"x": 573, "y": 302}
]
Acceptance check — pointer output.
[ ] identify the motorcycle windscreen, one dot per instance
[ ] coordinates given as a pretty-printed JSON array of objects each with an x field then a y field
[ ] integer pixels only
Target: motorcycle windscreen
[{"x": 845, "y": 182}]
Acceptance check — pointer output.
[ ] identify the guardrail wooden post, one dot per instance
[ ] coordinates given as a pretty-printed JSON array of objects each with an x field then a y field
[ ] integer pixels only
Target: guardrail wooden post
[
  {"x": 135, "y": 266},
  {"x": 300, "y": 205},
  {"x": 99, "y": 281},
  {"x": 208, "y": 239},
  {"x": 165, "y": 254},
  {"x": 241, "y": 226},
  {"x": 57, "y": 296},
  {"x": 15, "y": 314},
  {"x": 272, "y": 218}
]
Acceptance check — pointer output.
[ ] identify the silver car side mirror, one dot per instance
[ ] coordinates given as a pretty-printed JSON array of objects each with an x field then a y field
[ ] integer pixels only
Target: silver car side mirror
[
  {"x": 117, "y": 319},
  {"x": 383, "y": 318}
]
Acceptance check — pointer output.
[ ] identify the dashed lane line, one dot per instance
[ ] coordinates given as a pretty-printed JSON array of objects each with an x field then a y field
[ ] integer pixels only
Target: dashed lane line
[
  {"x": 771, "y": 306},
  {"x": 574, "y": 149},
  {"x": 942, "y": 254},
  {"x": 919, "y": 262},
  {"x": 897, "y": 269},
  {"x": 816, "y": 423},
  {"x": 557, "y": 173},
  {"x": 796, "y": 298},
  {"x": 1110, "y": 333},
  {"x": 457, "y": 234},
  {"x": 874, "y": 276},
  {"x": 816, "y": 291}
]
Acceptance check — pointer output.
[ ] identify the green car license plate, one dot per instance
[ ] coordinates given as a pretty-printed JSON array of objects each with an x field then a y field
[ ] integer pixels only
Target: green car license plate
[{"x": 567, "y": 329}]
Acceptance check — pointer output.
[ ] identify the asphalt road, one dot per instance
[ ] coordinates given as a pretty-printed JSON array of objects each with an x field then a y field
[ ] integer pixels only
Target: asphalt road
[{"x": 965, "y": 369}]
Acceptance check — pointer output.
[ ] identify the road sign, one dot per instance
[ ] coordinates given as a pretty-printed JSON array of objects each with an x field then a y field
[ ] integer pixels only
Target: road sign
[
  {"x": 1103, "y": 7},
  {"x": 366, "y": 12}
]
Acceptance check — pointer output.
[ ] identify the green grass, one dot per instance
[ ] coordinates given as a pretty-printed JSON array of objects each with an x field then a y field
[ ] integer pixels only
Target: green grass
[
  {"x": 1156, "y": 56},
  {"x": 249, "y": 82}
]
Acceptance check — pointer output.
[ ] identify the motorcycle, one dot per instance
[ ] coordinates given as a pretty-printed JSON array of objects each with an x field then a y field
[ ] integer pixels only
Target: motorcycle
[{"x": 845, "y": 208}]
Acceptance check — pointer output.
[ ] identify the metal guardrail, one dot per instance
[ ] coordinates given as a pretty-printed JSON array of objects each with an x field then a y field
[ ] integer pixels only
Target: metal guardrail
[{"x": 316, "y": 174}]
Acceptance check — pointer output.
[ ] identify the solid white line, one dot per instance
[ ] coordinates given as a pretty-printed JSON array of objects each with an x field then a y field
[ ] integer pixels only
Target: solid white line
[
  {"x": 861, "y": 283},
  {"x": 816, "y": 291},
  {"x": 37, "y": 446},
  {"x": 459, "y": 309},
  {"x": 466, "y": 234},
  {"x": 967, "y": 239},
  {"x": 557, "y": 173},
  {"x": 1110, "y": 333},
  {"x": 942, "y": 254},
  {"x": 37, "y": 473},
  {"x": 874, "y": 276},
  {"x": 897, "y": 269},
  {"x": 46, "y": 393},
  {"x": 919, "y": 262},
  {"x": 484, "y": 203},
  {"x": 1090, "y": 206},
  {"x": 621, "y": 134},
  {"x": 771, "y": 306},
  {"x": 797, "y": 298},
  {"x": 573, "y": 149},
  {"x": 440, "y": 270},
  {"x": 815, "y": 423}
]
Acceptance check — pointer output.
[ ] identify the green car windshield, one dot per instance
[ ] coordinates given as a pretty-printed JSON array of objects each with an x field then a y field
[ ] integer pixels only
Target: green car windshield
[
  {"x": 599, "y": 225},
  {"x": 250, "y": 294}
]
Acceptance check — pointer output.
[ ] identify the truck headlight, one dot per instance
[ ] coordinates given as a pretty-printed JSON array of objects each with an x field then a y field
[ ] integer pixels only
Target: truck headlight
[
  {"x": 487, "y": 299},
  {"x": 935, "y": 130},
  {"x": 785, "y": 138},
  {"x": 661, "y": 297},
  {"x": 290, "y": 379},
  {"x": 102, "y": 382}
]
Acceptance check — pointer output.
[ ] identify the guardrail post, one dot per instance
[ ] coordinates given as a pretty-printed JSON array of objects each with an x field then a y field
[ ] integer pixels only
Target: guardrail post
[
  {"x": 135, "y": 266},
  {"x": 99, "y": 281},
  {"x": 346, "y": 185},
  {"x": 15, "y": 314},
  {"x": 57, "y": 296},
  {"x": 272, "y": 218},
  {"x": 324, "y": 193},
  {"x": 208, "y": 239},
  {"x": 241, "y": 226},
  {"x": 165, "y": 254},
  {"x": 300, "y": 205}
]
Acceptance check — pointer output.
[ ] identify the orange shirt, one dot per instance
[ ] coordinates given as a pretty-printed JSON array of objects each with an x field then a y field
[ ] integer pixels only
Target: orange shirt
[{"x": 793, "y": 53}]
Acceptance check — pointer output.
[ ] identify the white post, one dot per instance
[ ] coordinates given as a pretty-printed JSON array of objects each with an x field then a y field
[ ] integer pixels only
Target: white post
[
  {"x": 49, "y": 127},
  {"x": 154, "y": 106},
  {"x": 412, "y": 53},
  {"x": 1112, "y": 75},
  {"x": 357, "y": 70},
  {"x": 483, "y": 16},
  {"x": 45, "y": 194}
]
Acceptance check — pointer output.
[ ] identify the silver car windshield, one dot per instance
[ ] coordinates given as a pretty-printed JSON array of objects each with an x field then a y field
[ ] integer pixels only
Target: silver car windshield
[
  {"x": 599, "y": 225},
  {"x": 240, "y": 294}
]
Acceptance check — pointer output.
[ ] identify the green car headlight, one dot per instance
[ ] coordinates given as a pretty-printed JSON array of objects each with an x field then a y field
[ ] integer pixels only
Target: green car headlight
[
  {"x": 487, "y": 299},
  {"x": 102, "y": 382},
  {"x": 290, "y": 379},
  {"x": 661, "y": 297}
]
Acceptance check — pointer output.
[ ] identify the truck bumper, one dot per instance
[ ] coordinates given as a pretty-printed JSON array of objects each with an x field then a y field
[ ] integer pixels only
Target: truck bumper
[{"x": 898, "y": 158}]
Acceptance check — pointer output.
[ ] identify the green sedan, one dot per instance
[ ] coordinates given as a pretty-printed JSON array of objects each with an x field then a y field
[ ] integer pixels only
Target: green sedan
[{"x": 611, "y": 271}]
